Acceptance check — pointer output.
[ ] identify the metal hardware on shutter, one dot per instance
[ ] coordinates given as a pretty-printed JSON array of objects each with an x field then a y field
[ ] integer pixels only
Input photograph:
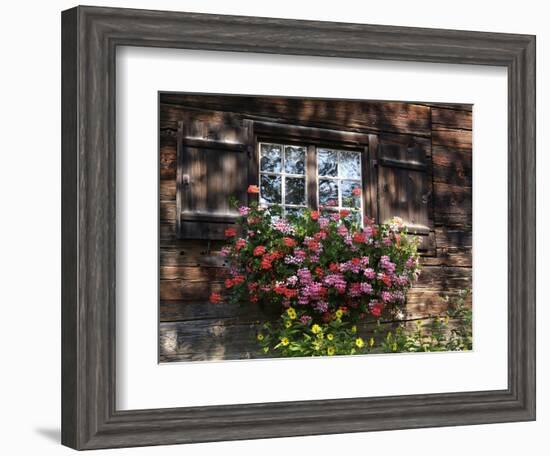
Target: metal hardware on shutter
[
  {"x": 414, "y": 165},
  {"x": 186, "y": 180}
]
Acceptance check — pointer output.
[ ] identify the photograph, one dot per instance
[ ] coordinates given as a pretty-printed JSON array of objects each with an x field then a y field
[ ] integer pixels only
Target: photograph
[{"x": 306, "y": 227}]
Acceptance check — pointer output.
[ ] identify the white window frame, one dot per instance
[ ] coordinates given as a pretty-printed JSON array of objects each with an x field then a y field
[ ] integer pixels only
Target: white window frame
[
  {"x": 283, "y": 174},
  {"x": 339, "y": 179}
]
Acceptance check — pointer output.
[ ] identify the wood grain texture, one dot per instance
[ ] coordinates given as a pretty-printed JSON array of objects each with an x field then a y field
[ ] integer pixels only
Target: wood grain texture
[
  {"x": 370, "y": 116},
  {"x": 89, "y": 415}
]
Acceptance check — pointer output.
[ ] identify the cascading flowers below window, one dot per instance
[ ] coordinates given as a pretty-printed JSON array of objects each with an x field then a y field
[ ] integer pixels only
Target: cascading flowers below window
[{"x": 323, "y": 271}]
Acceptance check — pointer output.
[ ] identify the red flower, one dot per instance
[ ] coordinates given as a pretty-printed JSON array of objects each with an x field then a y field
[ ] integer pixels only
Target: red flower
[
  {"x": 377, "y": 309},
  {"x": 240, "y": 244},
  {"x": 259, "y": 251},
  {"x": 320, "y": 235},
  {"x": 344, "y": 213},
  {"x": 289, "y": 242},
  {"x": 355, "y": 260},
  {"x": 230, "y": 232},
  {"x": 290, "y": 293},
  {"x": 266, "y": 264},
  {"x": 215, "y": 298},
  {"x": 253, "y": 298},
  {"x": 334, "y": 267},
  {"x": 238, "y": 279},
  {"x": 319, "y": 271},
  {"x": 314, "y": 215},
  {"x": 356, "y": 191},
  {"x": 386, "y": 279},
  {"x": 228, "y": 283},
  {"x": 359, "y": 238},
  {"x": 253, "y": 189},
  {"x": 313, "y": 245},
  {"x": 279, "y": 289}
]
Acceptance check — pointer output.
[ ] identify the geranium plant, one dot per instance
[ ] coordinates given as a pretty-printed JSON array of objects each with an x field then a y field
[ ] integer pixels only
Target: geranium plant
[{"x": 324, "y": 271}]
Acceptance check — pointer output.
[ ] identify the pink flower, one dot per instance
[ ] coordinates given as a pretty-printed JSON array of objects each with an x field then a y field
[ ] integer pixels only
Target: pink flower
[
  {"x": 243, "y": 210},
  {"x": 342, "y": 230}
]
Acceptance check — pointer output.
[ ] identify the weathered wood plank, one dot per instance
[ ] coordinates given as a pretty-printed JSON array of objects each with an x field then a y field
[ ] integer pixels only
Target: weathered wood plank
[
  {"x": 452, "y": 166},
  {"x": 204, "y": 123},
  {"x": 204, "y": 273},
  {"x": 204, "y": 310},
  {"x": 168, "y": 162},
  {"x": 192, "y": 253},
  {"x": 454, "y": 247},
  {"x": 352, "y": 115},
  {"x": 205, "y": 340},
  {"x": 452, "y": 204},
  {"x": 423, "y": 302},
  {"x": 167, "y": 232},
  {"x": 452, "y": 118},
  {"x": 182, "y": 289},
  {"x": 167, "y": 190},
  {"x": 214, "y": 340},
  {"x": 445, "y": 278},
  {"x": 456, "y": 106},
  {"x": 167, "y": 211},
  {"x": 448, "y": 137}
]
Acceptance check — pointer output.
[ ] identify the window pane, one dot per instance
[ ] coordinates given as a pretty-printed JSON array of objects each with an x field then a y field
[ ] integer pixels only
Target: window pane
[
  {"x": 294, "y": 212},
  {"x": 351, "y": 194},
  {"x": 327, "y": 162},
  {"x": 295, "y": 190},
  {"x": 271, "y": 158},
  {"x": 328, "y": 192},
  {"x": 270, "y": 189},
  {"x": 350, "y": 165},
  {"x": 295, "y": 158}
]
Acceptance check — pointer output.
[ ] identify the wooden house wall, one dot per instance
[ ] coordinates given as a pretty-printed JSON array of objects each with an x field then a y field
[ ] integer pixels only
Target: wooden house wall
[{"x": 193, "y": 329}]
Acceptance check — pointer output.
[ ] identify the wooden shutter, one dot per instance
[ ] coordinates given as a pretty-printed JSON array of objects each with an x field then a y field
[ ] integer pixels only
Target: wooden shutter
[
  {"x": 212, "y": 168},
  {"x": 405, "y": 189}
]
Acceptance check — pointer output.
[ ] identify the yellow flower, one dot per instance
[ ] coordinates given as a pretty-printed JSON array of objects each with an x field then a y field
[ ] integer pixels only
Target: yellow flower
[
  {"x": 330, "y": 351},
  {"x": 320, "y": 335},
  {"x": 446, "y": 319},
  {"x": 359, "y": 342},
  {"x": 418, "y": 323},
  {"x": 394, "y": 346},
  {"x": 315, "y": 329},
  {"x": 330, "y": 336},
  {"x": 288, "y": 324},
  {"x": 266, "y": 349},
  {"x": 339, "y": 313},
  {"x": 354, "y": 329},
  {"x": 291, "y": 313},
  {"x": 260, "y": 336},
  {"x": 285, "y": 341},
  {"x": 371, "y": 341}
]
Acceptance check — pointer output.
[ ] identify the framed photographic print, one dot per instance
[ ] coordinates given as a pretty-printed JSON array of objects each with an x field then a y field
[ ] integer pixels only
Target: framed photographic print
[{"x": 280, "y": 228}]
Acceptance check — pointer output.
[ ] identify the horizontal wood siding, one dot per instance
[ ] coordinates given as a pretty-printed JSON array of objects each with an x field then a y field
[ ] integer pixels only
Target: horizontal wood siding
[{"x": 193, "y": 329}]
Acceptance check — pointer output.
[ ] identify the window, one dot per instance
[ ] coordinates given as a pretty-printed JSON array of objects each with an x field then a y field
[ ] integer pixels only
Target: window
[
  {"x": 283, "y": 176},
  {"x": 296, "y": 167},
  {"x": 339, "y": 180}
]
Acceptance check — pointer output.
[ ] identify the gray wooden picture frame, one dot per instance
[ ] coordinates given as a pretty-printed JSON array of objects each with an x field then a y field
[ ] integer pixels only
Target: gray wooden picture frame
[{"x": 90, "y": 36}]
